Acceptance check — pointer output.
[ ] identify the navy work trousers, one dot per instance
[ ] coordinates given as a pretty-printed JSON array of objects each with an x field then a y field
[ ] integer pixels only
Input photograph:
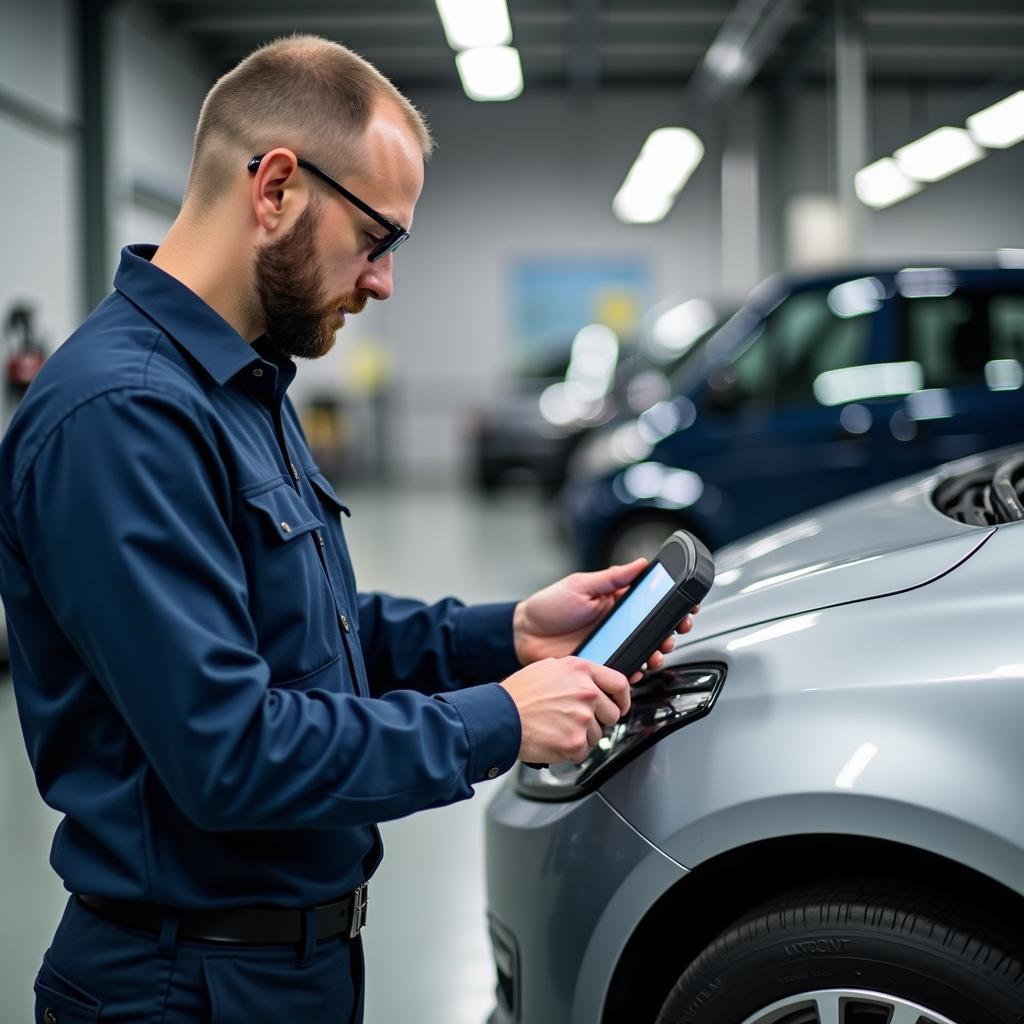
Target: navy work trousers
[{"x": 97, "y": 970}]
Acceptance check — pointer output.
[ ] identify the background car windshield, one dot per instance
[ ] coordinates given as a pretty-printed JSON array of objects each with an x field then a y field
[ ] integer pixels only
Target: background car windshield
[
  {"x": 802, "y": 339},
  {"x": 969, "y": 338}
]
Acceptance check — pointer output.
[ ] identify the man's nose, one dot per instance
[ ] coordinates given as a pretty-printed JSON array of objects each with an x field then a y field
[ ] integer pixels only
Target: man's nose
[{"x": 376, "y": 279}]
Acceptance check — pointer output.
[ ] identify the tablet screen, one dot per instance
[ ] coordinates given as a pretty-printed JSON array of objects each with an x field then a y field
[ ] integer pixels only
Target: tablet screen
[{"x": 624, "y": 619}]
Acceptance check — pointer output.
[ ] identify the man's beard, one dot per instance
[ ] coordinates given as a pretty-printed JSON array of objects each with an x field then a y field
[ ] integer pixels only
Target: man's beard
[{"x": 290, "y": 289}]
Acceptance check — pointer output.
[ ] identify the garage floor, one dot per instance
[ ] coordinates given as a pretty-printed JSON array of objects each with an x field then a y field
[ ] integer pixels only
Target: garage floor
[{"x": 426, "y": 944}]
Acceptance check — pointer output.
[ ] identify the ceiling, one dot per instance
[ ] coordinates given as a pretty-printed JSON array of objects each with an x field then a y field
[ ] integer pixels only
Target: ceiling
[{"x": 588, "y": 45}]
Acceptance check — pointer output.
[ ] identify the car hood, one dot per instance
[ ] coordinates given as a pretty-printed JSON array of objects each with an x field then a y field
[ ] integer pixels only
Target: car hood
[{"x": 889, "y": 539}]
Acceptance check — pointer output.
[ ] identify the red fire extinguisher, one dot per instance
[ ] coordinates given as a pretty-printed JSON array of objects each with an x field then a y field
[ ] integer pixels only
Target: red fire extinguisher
[{"x": 24, "y": 352}]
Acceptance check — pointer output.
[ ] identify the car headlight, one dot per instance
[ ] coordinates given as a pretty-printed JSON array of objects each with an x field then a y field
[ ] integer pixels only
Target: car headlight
[{"x": 661, "y": 703}]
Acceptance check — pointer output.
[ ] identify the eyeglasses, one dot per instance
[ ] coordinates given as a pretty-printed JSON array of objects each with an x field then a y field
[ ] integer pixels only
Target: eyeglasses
[{"x": 396, "y": 233}]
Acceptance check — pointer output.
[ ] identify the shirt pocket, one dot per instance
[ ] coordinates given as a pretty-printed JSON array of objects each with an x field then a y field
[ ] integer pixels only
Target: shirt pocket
[
  {"x": 340, "y": 560},
  {"x": 333, "y": 507},
  {"x": 290, "y": 597}
]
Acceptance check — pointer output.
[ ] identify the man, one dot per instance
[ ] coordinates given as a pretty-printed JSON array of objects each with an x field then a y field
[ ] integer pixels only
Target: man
[{"x": 219, "y": 714}]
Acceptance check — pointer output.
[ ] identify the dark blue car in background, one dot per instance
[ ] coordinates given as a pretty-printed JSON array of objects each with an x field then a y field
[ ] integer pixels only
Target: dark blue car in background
[{"x": 817, "y": 388}]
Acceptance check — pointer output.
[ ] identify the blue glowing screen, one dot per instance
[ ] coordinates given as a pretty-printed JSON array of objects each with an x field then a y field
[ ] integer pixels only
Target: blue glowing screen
[{"x": 609, "y": 638}]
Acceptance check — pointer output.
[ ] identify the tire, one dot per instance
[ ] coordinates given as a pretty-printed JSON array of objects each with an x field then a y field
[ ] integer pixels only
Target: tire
[{"x": 850, "y": 953}]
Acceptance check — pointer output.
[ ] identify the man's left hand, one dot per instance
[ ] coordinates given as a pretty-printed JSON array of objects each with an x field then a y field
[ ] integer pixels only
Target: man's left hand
[{"x": 555, "y": 621}]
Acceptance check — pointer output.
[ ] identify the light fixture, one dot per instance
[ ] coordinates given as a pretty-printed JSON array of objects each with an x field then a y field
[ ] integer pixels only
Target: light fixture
[
  {"x": 471, "y": 23},
  {"x": 490, "y": 72},
  {"x": 938, "y": 154},
  {"x": 666, "y": 161},
  {"x": 883, "y": 183},
  {"x": 1000, "y": 125}
]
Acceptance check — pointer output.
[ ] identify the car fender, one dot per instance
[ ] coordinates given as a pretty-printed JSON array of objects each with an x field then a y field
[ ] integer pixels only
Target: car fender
[{"x": 896, "y": 718}]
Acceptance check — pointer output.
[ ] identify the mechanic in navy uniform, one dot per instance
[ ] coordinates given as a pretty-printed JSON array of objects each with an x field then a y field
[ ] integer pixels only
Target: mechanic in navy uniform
[{"x": 218, "y": 713}]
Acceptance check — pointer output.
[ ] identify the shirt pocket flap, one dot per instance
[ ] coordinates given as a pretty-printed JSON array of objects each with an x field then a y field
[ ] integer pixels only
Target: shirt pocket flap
[
  {"x": 283, "y": 511},
  {"x": 326, "y": 492}
]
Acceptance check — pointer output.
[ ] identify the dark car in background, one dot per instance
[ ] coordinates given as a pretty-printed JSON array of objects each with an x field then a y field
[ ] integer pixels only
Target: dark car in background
[
  {"x": 817, "y": 388},
  {"x": 530, "y": 430}
]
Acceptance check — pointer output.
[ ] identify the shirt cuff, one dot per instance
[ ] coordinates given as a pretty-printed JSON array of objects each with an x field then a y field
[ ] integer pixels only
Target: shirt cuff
[
  {"x": 486, "y": 642},
  {"x": 492, "y": 724}
]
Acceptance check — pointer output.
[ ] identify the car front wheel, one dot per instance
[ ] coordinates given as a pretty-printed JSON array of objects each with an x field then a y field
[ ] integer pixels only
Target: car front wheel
[{"x": 853, "y": 954}]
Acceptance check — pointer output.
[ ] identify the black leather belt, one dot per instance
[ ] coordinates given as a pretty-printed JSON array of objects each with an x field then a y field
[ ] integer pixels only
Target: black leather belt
[{"x": 258, "y": 926}]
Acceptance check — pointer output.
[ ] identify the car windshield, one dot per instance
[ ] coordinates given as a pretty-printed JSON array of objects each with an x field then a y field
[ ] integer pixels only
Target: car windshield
[{"x": 680, "y": 370}]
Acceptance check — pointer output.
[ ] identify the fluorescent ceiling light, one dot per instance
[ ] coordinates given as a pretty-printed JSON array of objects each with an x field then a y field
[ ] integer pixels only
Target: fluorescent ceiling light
[
  {"x": 882, "y": 183},
  {"x": 471, "y": 23},
  {"x": 1000, "y": 125},
  {"x": 938, "y": 154},
  {"x": 637, "y": 208},
  {"x": 490, "y": 72},
  {"x": 668, "y": 158}
]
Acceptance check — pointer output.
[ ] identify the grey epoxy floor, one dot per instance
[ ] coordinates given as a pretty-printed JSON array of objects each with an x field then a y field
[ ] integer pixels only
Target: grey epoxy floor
[{"x": 426, "y": 945}]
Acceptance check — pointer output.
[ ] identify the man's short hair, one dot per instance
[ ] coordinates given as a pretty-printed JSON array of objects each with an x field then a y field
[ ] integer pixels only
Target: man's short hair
[{"x": 304, "y": 92}]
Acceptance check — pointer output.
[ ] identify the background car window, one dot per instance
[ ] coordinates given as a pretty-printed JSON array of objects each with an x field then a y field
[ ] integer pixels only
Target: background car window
[
  {"x": 801, "y": 339},
  {"x": 954, "y": 337}
]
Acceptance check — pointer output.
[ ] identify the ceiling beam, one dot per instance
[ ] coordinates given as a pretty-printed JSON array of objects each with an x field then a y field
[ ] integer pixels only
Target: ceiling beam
[
  {"x": 251, "y": 21},
  {"x": 745, "y": 41},
  {"x": 584, "y": 59}
]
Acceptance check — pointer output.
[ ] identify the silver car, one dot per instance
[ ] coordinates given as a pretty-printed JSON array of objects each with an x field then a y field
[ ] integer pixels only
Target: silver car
[{"x": 814, "y": 814}]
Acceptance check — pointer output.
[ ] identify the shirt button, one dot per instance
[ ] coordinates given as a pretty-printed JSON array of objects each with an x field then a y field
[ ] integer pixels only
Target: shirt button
[
  {"x": 493, "y": 773},
  {"x": 344, "y": 623},
  {"x": 257, "y": 372},
  {"x": 49, "y": 1017},
  {"x": 285, "y": 527}
]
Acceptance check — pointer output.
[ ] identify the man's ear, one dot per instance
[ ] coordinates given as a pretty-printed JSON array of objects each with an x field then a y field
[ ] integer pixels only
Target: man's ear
[{"x": 276, "y": 186}]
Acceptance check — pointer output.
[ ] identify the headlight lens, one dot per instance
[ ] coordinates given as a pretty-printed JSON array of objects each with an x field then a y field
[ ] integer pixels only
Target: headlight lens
[{"x": 661, "y": 703}]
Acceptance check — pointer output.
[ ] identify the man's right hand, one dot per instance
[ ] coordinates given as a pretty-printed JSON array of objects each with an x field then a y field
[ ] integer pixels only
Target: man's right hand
[{"x": 564, "y": 705}]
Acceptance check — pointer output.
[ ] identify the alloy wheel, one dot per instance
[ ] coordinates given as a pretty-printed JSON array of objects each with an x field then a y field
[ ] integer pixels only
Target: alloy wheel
[{"x": 845, "y": 1006}]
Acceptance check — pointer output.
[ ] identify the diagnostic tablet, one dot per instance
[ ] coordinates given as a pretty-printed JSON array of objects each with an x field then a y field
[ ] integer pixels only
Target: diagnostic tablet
[{"x": 678, "y": 578}]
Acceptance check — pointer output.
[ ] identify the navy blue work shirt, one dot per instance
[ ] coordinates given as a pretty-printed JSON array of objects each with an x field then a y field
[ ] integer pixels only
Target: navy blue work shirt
[{"x": 219, "y": 715}]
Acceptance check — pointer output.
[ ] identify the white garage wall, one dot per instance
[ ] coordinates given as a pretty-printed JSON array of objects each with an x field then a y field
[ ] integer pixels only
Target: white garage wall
[
  {"x": 35, "y": 50},
  {"x": 155, "y": 85},
  {"x": 38, "y": 259},
  {"x": 975, "y": 210},
  {"x": 528, "y": 179}
]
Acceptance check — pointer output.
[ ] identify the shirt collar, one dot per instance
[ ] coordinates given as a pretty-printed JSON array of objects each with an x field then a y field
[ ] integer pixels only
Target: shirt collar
[{"x": 194, "y": 325}]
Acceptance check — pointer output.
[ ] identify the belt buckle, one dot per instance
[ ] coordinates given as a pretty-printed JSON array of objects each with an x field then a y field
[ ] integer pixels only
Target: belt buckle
[{"x": 359, "y": 902}]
